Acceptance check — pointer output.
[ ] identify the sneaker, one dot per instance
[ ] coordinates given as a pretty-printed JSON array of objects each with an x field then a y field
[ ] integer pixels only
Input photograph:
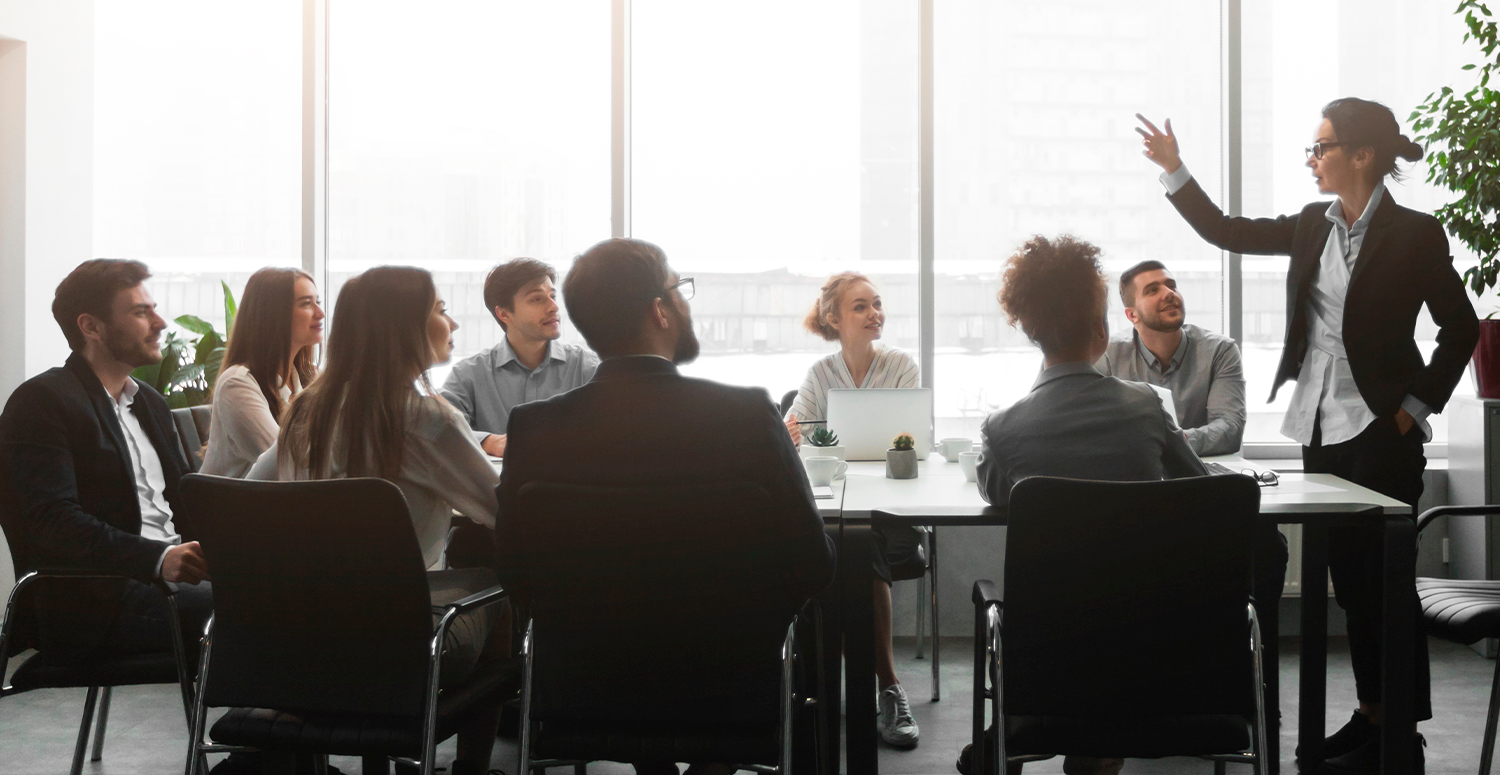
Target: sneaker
[
  {"x": 1350, "y": 736},
  {"x": 897, "y": 727},
  {"x": 1366, "y": 758}
]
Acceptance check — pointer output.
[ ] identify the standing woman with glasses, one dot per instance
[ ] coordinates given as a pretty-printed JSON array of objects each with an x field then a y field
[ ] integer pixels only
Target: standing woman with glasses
[
  {"x": 269, "y": 360},
  {"x": 1361, "y": 269}
]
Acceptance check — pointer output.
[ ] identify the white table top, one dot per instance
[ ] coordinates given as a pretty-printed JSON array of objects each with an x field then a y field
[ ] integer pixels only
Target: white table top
[{"x": 940, "y": 483}]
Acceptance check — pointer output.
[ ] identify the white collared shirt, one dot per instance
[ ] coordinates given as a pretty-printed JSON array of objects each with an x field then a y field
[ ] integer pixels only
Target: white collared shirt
[
  {"x": 242, "y": 426},
  {"x": 1325, "y": 383},
  {"x": 150, "y": 481}
]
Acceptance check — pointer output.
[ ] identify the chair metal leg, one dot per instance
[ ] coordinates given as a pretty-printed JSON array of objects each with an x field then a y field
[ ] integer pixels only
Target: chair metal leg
[
  {"x": 932, "y": 570},
  {"x": 99, "y": 726},
  {"x": 1262, "y": 764},
  {"x": 997, "y": 705},
  {"x": 83, "y": 730},
  {"x": 523, "y": 763},
  {"x": 921, "y": 615},
  {"x": 1487, "y": 753},
  {"x": 788, "y": 655}
]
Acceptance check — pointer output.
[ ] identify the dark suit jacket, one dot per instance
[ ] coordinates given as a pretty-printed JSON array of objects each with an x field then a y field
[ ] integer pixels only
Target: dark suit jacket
[
  {"x": 639, "y": 422},
  {"x": 1403, "y": 263},
  {"x": 67, "y": 493}
]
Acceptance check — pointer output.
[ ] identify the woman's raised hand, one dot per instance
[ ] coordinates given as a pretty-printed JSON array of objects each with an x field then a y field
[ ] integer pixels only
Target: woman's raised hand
[{"x": 1160, "y": 148}]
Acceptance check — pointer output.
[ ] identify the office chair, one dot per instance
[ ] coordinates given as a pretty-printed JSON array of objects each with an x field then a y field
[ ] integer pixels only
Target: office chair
[
  {"x": 1126, "y": 629},
  {"x": 99, "y": 672},
  {"x": 1465, "y": 612},
  {"x": 192, "y": 430},
  {"x": 661, "y": 624},
  {"x": 323, "y": 640}
]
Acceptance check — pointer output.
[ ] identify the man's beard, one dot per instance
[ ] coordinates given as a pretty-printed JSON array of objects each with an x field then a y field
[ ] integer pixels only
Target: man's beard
[
  {"x": 131, "y": 352},
  {"x": 686, "y": 350},
  {"x": 1155, "y": 323}
]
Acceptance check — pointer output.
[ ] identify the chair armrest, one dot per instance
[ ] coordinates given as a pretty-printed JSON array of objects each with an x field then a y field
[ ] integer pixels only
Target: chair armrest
[
  {"x": 476, "y": 600},
  {"x": 1455, "y": 511},
  {"x": 985, "y": 594}
]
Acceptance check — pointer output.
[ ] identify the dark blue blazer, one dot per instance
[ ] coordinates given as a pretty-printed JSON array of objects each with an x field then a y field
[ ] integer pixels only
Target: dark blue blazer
[{"x": 67, "y": 493}]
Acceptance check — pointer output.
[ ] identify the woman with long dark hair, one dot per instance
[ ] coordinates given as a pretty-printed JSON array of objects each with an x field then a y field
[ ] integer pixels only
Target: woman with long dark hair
[
  {"x": 269, "y": 360},
  {"x": 1361, "y": 269},
  {"x": 372, "y": 412}
]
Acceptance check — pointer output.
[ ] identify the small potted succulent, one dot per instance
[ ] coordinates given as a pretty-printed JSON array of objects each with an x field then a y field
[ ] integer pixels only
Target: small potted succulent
[
  {"x": 822, "y": 443},
  {"x": 901, "y": 458}
]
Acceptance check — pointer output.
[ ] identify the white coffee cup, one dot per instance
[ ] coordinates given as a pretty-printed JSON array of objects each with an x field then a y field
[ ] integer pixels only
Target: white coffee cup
[
  {"x": 822, "y": 470},
  {"x": 969, "y": 461},
  {"x": 952, "y": 447}
]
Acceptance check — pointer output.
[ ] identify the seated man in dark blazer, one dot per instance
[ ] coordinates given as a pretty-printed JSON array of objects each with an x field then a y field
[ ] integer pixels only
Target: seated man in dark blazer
[
  {"x": 89, "y": 467},
  {"x": 639, "y": 421}
]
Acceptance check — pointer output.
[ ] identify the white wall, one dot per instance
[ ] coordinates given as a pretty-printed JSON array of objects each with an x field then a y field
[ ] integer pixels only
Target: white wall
[{"x": 49, "y": 43}]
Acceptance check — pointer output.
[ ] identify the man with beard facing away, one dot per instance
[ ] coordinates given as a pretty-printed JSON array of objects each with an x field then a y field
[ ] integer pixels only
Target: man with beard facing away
[
  {"x": 639, "y": 422},
  {"x": 1201, "y": 368}
]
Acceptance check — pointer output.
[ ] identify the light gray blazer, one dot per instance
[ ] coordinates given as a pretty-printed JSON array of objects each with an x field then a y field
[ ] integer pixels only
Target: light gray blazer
[{"x": 1078, "y": 423}]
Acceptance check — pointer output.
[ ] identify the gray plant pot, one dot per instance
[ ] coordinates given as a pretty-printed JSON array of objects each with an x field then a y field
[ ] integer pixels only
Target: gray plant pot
[{"x": 901, "y": 464}]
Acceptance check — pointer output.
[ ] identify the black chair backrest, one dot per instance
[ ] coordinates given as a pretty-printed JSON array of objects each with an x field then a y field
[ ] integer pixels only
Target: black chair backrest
[
  {"x": 192, "y": 429},
  {"x": 650, "y": 603},
  {"x": 1129, "y": 598},
  {"x": 321, "y": 602},
  {"x": 786, "y": 403}
]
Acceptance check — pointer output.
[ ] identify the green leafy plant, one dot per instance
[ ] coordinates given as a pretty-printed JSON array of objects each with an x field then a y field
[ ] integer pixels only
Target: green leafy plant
[
  {"x": 190, "y": 365},
  {"x": 903, "y": 442},
  {"x": 1464, "y": 128},
  {"x": 822, "y": 437}
]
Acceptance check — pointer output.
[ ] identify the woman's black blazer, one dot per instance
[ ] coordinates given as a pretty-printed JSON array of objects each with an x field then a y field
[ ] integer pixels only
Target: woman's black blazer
[{"x": 1403, "y": 263}]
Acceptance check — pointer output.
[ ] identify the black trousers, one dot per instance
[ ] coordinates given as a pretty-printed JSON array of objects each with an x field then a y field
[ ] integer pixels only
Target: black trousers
[
  {"x": 1391, "y": 464},
  {"x": 144, "y": 625}
]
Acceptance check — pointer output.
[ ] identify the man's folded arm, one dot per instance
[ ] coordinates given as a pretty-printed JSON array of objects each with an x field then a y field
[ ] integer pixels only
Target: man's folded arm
[{"x": 1225, "y": 430}]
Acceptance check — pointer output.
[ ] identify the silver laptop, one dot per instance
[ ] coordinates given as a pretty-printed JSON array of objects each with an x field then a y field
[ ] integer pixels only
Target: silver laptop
[{"x": 866, "y": 420}]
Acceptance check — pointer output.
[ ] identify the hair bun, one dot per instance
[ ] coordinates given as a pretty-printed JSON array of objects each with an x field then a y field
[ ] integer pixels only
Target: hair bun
[{"x": 1409, "y": 150}]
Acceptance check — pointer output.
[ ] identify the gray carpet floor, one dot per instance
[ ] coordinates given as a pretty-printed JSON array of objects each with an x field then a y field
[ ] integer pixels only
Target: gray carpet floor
[{"x": 146, "y": 732}]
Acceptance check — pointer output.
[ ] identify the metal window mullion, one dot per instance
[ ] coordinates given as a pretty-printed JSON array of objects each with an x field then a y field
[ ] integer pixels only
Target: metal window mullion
[
  {"x": 926, "y": 271},
  {"x": 1233, "y": 162},
  {"x": 620, "y": 119},
  {"x": 315, "y": 139}
]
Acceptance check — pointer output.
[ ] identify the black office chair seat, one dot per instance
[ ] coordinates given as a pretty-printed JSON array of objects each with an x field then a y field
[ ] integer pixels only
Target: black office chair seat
[
  {"x": 1144, "y": 737},
  {"x": 45, "y": 671},
  {"x": 1460, "y": 611},
  {"x": 649, "y": 742},
  {"x": 341, "y": 735},
  {"x": 913, "y": 567}
]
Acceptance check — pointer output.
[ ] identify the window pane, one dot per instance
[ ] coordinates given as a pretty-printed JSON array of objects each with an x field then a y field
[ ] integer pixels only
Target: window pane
[
  {"x": 198, "y": 143},
  {"x": 1035, "y": 109},
  {"x": 1396, "y": 52},
  {"x": 768, "y": 154},
  {"x": 464, "y": 134}
]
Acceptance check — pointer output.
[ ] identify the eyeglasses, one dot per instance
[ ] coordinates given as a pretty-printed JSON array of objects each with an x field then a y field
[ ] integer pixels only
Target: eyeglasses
[
  {"x": 1263, "y": 478},
  {"x": 684, "y": 287},
  {"x": 1318, "y": 149}
]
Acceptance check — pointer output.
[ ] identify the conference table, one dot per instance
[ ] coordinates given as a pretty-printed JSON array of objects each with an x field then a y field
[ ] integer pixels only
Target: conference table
[{"x": 940, "y": 496}]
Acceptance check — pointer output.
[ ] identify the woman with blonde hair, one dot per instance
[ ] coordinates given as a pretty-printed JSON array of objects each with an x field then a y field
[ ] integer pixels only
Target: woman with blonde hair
[
  {"x": 849, "y": 311},
  {"x": 372, "y": 412}
]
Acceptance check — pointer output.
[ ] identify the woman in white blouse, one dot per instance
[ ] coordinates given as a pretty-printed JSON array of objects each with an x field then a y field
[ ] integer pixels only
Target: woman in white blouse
[
  {"x": 270, "y": 358},
  {"x": 849, "y": 311},
  {"x": 372, "y": 412}
]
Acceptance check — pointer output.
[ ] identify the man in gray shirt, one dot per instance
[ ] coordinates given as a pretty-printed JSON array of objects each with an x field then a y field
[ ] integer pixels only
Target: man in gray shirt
[
  {"x": 529, "y": 364},
  {"x": 1201, "y": 368}
]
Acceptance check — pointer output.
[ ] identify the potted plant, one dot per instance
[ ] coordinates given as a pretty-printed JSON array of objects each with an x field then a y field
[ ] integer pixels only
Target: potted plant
[
  {"x": 189, "y": 367},
  {"x": 822, "y": 443},
  {"x": 901, "y": 458},
  {"x": 1464, "y": 130}
]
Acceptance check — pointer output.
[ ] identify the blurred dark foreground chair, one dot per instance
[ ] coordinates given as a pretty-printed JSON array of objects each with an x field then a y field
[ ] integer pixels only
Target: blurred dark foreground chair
[
  {"x": 99, "y": 672},
  {"x": 322, "y": 640},
  {"x": 661, "y": 627},
  {"x": 1464, "y": 611},
  {"x": 1126, "y": 629}
]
